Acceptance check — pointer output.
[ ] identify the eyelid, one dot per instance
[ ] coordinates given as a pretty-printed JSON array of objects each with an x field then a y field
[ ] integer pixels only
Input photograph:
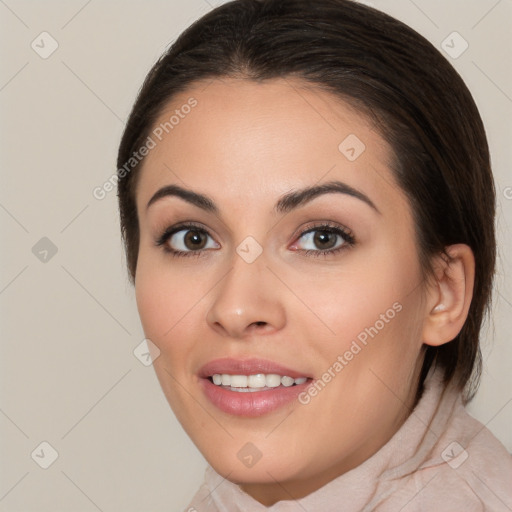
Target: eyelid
[
  {"x": 182, "y": 226},
  {"x": 170, "y": 230},
  {"x": 331, "y": 226}
]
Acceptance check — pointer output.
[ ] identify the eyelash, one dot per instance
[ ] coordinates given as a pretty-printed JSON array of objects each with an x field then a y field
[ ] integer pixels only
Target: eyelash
[{"x": 328, "y": 227}]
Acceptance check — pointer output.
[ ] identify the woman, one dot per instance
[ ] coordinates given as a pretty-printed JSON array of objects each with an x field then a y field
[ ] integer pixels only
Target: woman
[{"x": 307, "y": 207}]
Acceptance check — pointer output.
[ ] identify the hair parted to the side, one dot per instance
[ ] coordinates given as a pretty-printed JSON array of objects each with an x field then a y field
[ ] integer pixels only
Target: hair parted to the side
[{"x": 419, "y": 103}]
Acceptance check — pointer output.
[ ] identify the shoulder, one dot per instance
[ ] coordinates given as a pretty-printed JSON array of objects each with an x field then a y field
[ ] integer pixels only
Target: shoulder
[
  {"x": 458, "y": 464},
  {"x": 468, "y": 469}
]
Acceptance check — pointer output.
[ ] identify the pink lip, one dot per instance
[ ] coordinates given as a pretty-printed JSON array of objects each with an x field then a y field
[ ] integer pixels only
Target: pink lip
[{"x": 249, "y": 404}]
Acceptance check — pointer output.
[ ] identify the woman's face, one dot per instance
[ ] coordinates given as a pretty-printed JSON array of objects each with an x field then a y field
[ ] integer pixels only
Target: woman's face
[{"x": 282, "y": 250}]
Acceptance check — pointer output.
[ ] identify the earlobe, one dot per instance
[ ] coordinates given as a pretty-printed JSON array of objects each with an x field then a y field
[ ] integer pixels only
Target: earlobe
[{"x": 449, "y": 295}]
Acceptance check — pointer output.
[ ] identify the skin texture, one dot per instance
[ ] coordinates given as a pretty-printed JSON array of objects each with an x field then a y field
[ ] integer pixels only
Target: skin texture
[{"x": 245, "y": 145}]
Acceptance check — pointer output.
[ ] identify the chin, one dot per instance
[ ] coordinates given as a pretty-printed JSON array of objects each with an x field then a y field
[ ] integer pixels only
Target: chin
[{"x": 244, "y": 463}]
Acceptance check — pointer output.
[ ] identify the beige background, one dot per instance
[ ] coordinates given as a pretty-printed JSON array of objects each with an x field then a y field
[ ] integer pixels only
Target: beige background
[{"x": 69, "y": 324}]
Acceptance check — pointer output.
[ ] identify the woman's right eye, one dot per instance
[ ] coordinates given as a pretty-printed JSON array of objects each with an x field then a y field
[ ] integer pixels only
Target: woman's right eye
[{"x": 187, "y": 240}]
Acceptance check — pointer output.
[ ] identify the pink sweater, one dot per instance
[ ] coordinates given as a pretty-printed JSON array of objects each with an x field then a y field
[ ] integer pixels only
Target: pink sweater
[{"x": 440, "y": 460}]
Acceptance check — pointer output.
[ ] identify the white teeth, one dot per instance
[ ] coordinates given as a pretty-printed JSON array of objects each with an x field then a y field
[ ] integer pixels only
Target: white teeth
[
  {"x": 273, "y": 380},
  {"x": 287, "y": 381},
  {"x": 239, "y": 381},
  {"x": 257, "y": 381}
]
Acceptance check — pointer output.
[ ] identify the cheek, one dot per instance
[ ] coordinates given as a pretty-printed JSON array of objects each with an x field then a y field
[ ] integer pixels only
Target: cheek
[
  {"x": 153, "y": 299},
  {"x": 368, "y": 292},
  {"x": 172, "y": 311},
  {"x": 167, "y": 319},
  {"x": 164, "y": 299}
]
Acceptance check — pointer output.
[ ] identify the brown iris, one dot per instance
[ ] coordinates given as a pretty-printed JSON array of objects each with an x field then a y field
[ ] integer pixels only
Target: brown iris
[
  {"x": 195, "y": 240},
  {"x": 324, "y": 239}
]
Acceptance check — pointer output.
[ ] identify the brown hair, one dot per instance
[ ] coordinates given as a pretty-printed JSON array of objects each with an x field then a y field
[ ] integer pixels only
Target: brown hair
[{"x": 390, "y": 73}]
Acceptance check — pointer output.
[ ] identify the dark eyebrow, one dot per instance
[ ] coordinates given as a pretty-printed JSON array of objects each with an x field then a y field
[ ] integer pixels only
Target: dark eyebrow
[
  {"x": 194, "y": 198},
  {"x": 287, "y": 203},
  {"x": 298, "y": 198}
]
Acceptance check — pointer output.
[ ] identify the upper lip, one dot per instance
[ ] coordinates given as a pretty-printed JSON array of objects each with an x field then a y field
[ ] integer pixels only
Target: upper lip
[{"x": 247, "y": 367}]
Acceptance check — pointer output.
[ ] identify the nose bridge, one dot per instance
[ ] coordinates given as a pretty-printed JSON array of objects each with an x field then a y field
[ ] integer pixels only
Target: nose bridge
[{"x": 245, "y": 300}]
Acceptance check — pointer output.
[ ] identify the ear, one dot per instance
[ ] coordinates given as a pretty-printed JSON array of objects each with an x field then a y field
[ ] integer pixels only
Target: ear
[{"x": 449, "y": 295}]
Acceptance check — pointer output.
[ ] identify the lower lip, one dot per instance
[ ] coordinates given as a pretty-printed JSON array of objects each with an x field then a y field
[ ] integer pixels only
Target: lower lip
[{"x": 254, "y": 403}]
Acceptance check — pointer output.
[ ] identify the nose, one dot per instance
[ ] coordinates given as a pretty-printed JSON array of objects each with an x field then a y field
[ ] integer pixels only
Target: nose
[{"x": 247, "y": 301}]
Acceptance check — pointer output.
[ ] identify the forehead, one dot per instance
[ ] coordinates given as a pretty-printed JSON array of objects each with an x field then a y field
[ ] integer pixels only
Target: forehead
[{"x": 257, "y": 140}]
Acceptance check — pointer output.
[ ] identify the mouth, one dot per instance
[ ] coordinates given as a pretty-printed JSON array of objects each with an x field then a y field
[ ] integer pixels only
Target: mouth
[
  {"x": 252, "y": 387},
  {"x": 254, "y": 383}
]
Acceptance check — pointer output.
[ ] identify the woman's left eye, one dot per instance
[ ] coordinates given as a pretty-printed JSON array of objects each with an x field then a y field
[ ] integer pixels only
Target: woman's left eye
[{"x": 323, "y": 240}]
